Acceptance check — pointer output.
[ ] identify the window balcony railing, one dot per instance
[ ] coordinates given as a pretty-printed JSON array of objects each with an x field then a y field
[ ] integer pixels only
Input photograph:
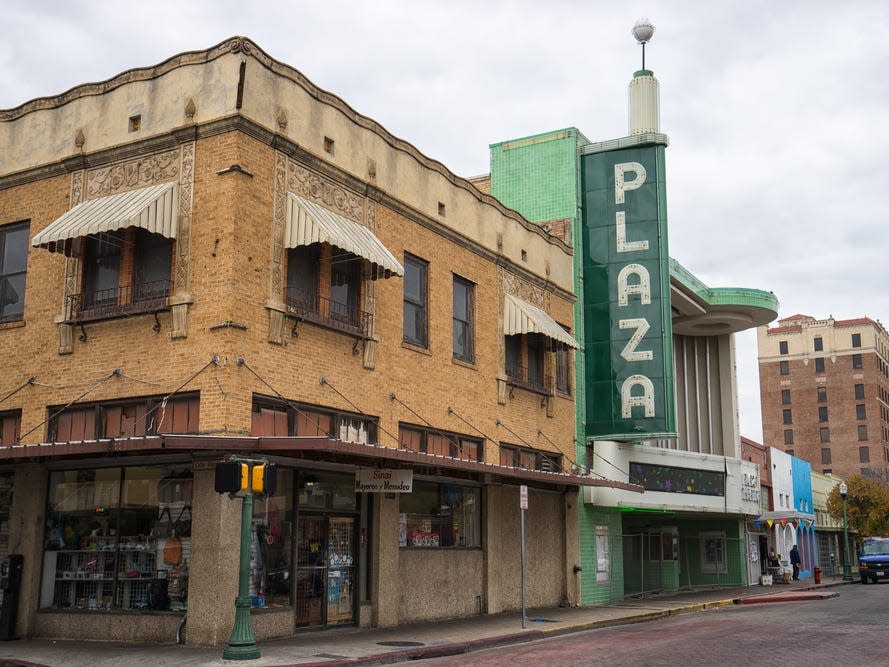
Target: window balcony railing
[
  {"x": 531, "y": 379},
  {"x": 326, "y": 312},
  {"x": 119, "y": 301}
]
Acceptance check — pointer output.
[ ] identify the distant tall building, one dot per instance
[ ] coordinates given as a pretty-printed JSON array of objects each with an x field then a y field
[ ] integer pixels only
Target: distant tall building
[{"x": 824, "y": 389}]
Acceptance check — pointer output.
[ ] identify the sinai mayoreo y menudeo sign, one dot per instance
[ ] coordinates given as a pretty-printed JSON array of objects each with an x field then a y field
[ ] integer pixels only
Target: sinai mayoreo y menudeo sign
[
  {"x": 628, "y": 336},
  {"x": 383, "y": 480}
]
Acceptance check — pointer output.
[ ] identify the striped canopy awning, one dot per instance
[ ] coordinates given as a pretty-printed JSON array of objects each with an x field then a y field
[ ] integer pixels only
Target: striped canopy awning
[
  {"x": 520, "y": 317},
  {"x": 308, "y": 223},
  {"x": 154, "y": 209}
]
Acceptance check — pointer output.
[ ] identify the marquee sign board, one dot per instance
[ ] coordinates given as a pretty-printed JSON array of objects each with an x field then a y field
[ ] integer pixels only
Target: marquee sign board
[{"x": 627, "y": 317}]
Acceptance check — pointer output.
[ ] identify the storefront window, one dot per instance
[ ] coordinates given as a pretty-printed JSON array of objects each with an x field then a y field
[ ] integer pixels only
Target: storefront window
[
  {"x": 332, "y": 491},
  {"x": 271, "y": 547},
  {"x": 440, "y": 515},
  {"x": 118, "y": 538}
]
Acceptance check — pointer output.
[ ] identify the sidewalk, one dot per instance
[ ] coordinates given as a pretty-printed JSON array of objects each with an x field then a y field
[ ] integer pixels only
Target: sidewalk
[{"x": 353, "y": 646}]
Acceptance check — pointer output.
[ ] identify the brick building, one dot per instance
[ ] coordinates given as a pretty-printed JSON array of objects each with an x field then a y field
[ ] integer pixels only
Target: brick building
[
  {"x": 213, "y": 256},
  {"x": 824, "y": 390}
]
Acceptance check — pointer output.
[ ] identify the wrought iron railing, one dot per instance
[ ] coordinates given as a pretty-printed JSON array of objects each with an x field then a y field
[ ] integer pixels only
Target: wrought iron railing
[
  {"x": 119, "y": 301},
  {"x": 311, "y": 307},
  {"x": 531, "y": 379}
]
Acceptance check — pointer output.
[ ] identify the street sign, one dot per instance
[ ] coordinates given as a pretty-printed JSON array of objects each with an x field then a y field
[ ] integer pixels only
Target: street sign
[{"x": 523, "y": 497}]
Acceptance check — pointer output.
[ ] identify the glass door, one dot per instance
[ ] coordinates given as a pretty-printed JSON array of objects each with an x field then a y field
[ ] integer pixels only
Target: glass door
[
  {"x": 325, "y": 570},
  {"x": 340, "y": 573},
  {"x": 311, "y": 570}
]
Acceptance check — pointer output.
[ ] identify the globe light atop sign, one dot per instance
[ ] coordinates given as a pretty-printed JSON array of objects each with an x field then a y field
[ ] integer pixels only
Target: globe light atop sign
[{"x": 643, "y": 31}]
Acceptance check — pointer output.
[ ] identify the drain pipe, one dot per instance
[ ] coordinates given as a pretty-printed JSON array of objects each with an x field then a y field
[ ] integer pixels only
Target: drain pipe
[{"x": 179, "y": 638}]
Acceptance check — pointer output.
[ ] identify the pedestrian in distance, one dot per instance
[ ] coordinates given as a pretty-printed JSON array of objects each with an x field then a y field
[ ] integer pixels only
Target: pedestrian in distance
[{"x": 795, "y": 561}]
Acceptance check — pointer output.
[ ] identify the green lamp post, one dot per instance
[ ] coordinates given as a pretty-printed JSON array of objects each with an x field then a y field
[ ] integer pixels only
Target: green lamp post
[
  {"x": 242, "y": 643},
  {"x": 847, "y": 569}
]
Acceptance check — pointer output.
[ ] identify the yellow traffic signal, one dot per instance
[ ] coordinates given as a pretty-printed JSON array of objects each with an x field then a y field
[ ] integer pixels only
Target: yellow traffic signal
[{"x": 232, "y": 477}]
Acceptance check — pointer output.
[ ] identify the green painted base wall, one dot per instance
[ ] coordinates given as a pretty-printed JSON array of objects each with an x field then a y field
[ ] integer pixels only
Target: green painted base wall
[{"x": 591, "y": 591}]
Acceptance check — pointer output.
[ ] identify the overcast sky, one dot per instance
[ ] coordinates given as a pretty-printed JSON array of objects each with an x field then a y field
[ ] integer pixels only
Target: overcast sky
[{"x": 777, "y": 112}]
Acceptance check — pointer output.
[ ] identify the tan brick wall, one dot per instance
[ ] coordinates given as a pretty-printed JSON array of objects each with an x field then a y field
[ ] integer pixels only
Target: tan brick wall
[{"x": 229, "y": 281}]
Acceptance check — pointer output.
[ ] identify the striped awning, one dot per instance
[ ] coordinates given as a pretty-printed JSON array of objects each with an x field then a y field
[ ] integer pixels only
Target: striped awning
[
  {"x": 308, "y": 223},
  {"x": 520, "y": 317},
  {"x": 154, "y": 209}
]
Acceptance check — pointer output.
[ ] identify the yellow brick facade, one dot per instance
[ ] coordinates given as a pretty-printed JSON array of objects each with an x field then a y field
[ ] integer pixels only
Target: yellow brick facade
[{"x": 222, "y": 336}]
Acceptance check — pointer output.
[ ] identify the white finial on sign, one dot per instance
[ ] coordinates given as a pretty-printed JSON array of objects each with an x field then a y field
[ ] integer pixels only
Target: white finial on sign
[{"x": 643, "y": 31}]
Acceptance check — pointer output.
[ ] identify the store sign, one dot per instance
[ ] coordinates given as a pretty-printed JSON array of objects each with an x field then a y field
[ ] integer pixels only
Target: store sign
[
  {"x": 629, "y": 369},
  {"x": 375, "y": 480}
]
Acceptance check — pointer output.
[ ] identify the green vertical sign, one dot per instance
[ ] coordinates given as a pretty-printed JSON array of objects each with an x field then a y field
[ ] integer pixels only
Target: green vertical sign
[{"x": 628, "y": 334}]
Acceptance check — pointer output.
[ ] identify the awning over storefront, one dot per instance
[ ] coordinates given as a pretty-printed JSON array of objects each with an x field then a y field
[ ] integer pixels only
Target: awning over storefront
[
  {"x": 785, "y": 517},
  {"x": 520, "y": 317},
  {"x": 154, "y": 209},
  {"x": 308, "y": 222},
  {"x": 305, "y": 448}
]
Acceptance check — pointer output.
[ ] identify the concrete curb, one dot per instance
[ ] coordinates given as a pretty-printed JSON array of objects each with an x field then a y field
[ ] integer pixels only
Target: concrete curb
[{"x": 787, "y": 597}]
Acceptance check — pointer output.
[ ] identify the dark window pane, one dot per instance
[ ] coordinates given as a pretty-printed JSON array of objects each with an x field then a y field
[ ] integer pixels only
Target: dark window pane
[
  {"x": 864, "y": 454},
  {"x": 154, "y": 264},
  {"x": 13, "y": 265},
  {"x": 782, "y": 347},
  {"x": 859, "y": 391},
  {"x": 822, "y": 394},
  {"x": 415, "y": 301},
  {"x": 862, "y": 433},
  {"x": 860, "y": 411},
  {"x": 819, "y": 365},
  {"x": 463, "y": 342},
  {"x": 785, "y": 396},
  {"x": 825, "y": 456},
  {"x": 785, "y": 368},
  {"x": 822, "y": 414},
  {"x": 101, "y": 269},
  {"x": 788, "y": 437},
  {"x": 345, "y": 277},
  {"x": 788, "y": 416},
  {"x": 819, "y": 344},
  {"x": 856, "y": 340},
  {"x": 856, "y": 361},
  {"x": 302, "y": 278},
  {"x": 824, "y": 434}
]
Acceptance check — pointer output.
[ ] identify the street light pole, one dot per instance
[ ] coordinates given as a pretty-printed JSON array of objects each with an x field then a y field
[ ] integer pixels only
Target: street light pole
[{"x": 847, "y": 571}]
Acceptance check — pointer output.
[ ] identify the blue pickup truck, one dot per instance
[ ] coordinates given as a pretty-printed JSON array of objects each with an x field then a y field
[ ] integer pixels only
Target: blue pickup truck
[{"x": 873, "y": 563}]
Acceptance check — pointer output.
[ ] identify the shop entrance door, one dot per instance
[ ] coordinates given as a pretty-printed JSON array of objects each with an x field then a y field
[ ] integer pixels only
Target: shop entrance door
[{"x": 325, "y": 570}]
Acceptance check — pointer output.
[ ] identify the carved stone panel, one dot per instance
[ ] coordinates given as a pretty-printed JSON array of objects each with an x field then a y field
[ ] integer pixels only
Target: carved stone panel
[{"x": 132, "y": 174}]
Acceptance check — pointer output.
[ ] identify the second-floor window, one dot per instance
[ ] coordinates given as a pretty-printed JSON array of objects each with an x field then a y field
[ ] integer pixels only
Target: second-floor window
[
  {"x": 443, "y": 443},
  {"x": 530, "y": 459},
  {"x": 125, "y": 270},
  {"x": 463, "y": 320},
  {"x": 13, "y": 266},
  {"x": 10, "y": 427},
  {"x": 525, "y": 361},
  {"x": 274, "y": 417},
  {"x": 415, "y": 301},
  {"x": 126, "y": 418},
  {"x": 324, "y": 286},
  {"x": 125, "y": 246}
]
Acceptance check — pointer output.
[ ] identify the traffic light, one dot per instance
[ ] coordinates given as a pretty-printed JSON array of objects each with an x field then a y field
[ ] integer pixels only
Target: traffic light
[
  {"x": 265, "y": 480},
  {"x": 232, "y": 477}
]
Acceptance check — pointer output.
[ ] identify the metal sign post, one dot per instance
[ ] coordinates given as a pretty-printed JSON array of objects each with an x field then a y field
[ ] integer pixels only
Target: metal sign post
[{"x": 523, "y": 504}]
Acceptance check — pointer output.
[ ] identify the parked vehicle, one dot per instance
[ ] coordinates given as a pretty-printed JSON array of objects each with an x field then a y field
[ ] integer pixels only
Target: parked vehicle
[{"x": 873, "y": 563}]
